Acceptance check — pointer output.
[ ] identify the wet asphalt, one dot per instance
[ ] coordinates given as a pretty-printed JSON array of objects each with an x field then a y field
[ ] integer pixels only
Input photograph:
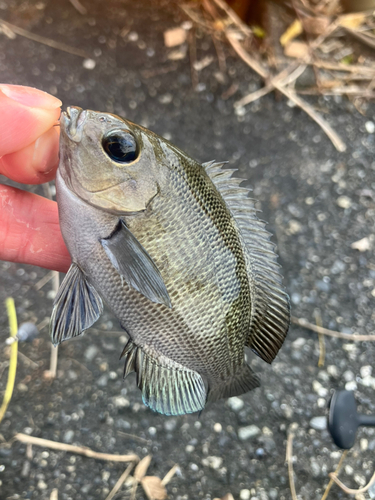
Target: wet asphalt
[{"x": 318, "y": 202}]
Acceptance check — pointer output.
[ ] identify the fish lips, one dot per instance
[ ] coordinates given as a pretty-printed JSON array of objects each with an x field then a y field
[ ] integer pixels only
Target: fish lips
[{"x": 73, "y": 121}]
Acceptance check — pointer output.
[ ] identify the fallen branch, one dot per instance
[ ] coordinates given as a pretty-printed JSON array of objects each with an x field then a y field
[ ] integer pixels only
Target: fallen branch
[
  {"x": 43, "y": 40},
  {"x": 331, "y": 481},
  {"x": 350, "y": 491},
  {"x": 332, "y": 333},
  {"x": 120, "y": 482},
  {"x": 291, "y": 94},
  {"x": 289, "y": 459},
  {"x": 80, "y": 450}
]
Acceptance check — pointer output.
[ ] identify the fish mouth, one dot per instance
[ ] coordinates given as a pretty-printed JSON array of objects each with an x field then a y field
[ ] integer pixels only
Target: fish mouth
[{"x": 73, "y": 121}]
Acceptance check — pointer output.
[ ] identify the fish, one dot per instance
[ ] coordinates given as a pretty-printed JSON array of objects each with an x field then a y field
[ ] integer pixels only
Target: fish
[{"x": 176, "y": 251}]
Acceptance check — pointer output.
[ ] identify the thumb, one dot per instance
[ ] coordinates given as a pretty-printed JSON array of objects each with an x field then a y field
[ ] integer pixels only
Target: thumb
[{"x": 25, "y": 114}]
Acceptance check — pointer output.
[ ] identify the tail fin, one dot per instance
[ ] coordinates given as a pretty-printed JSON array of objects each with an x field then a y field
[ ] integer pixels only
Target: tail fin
[{"x": 242, "y": 381}]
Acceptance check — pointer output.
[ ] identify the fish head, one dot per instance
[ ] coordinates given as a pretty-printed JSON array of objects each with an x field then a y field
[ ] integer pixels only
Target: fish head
[{"x": 109, "y": 162}]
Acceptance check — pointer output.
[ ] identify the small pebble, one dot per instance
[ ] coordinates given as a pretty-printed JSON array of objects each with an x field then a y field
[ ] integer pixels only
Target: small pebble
[
  {"x": 360, "y": 480},
  {"x": 152, "y": 431},
  {"x": 189, "y": 448},
  {"x": 365, "y": 371},
  {"x": 344, "y": 202},
  {"x": 121, "y": 402},
  {"x": 349, "y": 470},
  {"x": 91, "y": 352},
  {"x": 89, "y": 63},
  {"x": 298, "y": 343},
  {"x": 348, "y": 376},
  {"x": 213, "y": 462},
  {"x": 363, "y": 443},
  {"x": 245, "y": 494},
  {"x": 170, "y": 424},
  {"x": 333, "y": 371},
  {"x": 42, "y": 485},
  {"x": 351, "y": 386},
  {"x": 235, "y": 404},
  {"x": 319, "y": 423},
  {"x": 248, "y": 432},
  {"x": 68, "y": 436},
  {"x": 218, "y": 427},
  {"x": 370, "y": 127}
]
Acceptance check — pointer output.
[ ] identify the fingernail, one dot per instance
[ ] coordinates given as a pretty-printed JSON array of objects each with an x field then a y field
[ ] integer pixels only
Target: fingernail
[{"x": 30, "y": 97}]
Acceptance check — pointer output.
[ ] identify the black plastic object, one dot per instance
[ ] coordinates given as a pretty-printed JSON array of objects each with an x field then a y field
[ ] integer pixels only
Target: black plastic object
[{"x": 343, "y": 419}]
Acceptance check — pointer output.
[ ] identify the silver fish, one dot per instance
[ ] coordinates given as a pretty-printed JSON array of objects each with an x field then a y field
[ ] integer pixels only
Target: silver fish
[{"x": 176, "y": 251}]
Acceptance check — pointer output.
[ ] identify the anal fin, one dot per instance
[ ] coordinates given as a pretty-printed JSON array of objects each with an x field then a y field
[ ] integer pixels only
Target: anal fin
[
  {"x": 242, "y": 381},
  {"x": 167, "y": 387},
  {"x": 76, "y": 307}
]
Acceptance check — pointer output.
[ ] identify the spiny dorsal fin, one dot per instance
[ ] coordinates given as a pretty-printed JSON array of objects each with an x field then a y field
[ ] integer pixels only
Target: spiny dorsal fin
[
  {"x": 76, "y": 307},
  {"x": 270, "y": 315},
  {"x": 167, "y": 387}
]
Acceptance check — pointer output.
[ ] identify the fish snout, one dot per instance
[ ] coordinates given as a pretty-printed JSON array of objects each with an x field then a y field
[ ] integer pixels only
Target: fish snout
[{"x": 73, "y": 121}]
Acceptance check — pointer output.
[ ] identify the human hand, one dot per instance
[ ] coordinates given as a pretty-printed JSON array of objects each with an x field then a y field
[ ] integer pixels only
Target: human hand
[{"x": 29, "y": 224}]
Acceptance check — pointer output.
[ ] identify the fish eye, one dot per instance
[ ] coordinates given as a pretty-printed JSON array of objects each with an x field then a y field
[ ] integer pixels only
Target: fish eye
[{"x": 120, "y": 146}]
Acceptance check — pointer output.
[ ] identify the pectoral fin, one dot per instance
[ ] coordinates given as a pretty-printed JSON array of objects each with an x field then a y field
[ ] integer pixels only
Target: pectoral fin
[
  {"x": 76, "y": 307},
  {"x": 132, "y": 261}
]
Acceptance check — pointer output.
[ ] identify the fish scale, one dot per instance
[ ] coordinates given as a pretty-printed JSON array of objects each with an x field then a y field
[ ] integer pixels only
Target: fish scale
[{"x": 176, "y": 251}]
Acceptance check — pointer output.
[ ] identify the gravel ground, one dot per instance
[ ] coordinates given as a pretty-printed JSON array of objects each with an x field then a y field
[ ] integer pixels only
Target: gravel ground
[{"x": 317, "y": 201}]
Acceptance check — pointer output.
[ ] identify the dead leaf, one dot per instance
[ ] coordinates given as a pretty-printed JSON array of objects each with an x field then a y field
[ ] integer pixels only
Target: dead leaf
[
  {"x": 296, "y": 49},
  {"x": 363, "y": 244},
  {"x": 174, "y": 37},
  {"x": 292, "y": 32},
  {"x": 142, "y": 467},
  {"x": 154, "y": 488},
  {"x": 352, "y": 21},
  {"x": 316, "y": 25}
]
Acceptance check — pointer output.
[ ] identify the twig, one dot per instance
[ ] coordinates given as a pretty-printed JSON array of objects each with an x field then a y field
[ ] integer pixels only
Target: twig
[
  {"x": 285, "y": 77},
  {"x": 351, "y": 68},
  {"x": 169, "y": 475},
  {"x": 350, "y": 491},
  {"x": 27, "y": 360},
  {"x": 120, "y": 482},
  {"x": 332, "y": 333},
  {"x": 12, "y": 317},
  {"x": 234, "y": 18},
  {"x": 193, "y": 58},
  {"x": 289, "y": 458},
  {"x": 44, "y": 40},
  {"x": 245, "y": 56},
  {"x": 80, "y": 450},
  {"x": 322, "y": 346},
  {"x": 78, "y": 6},
  {"x": 220, "y": 54},
  {"x": 133, "y": 436},
  {"x": 331, "y": 481},
  {"x": 43, "y": 281}
]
